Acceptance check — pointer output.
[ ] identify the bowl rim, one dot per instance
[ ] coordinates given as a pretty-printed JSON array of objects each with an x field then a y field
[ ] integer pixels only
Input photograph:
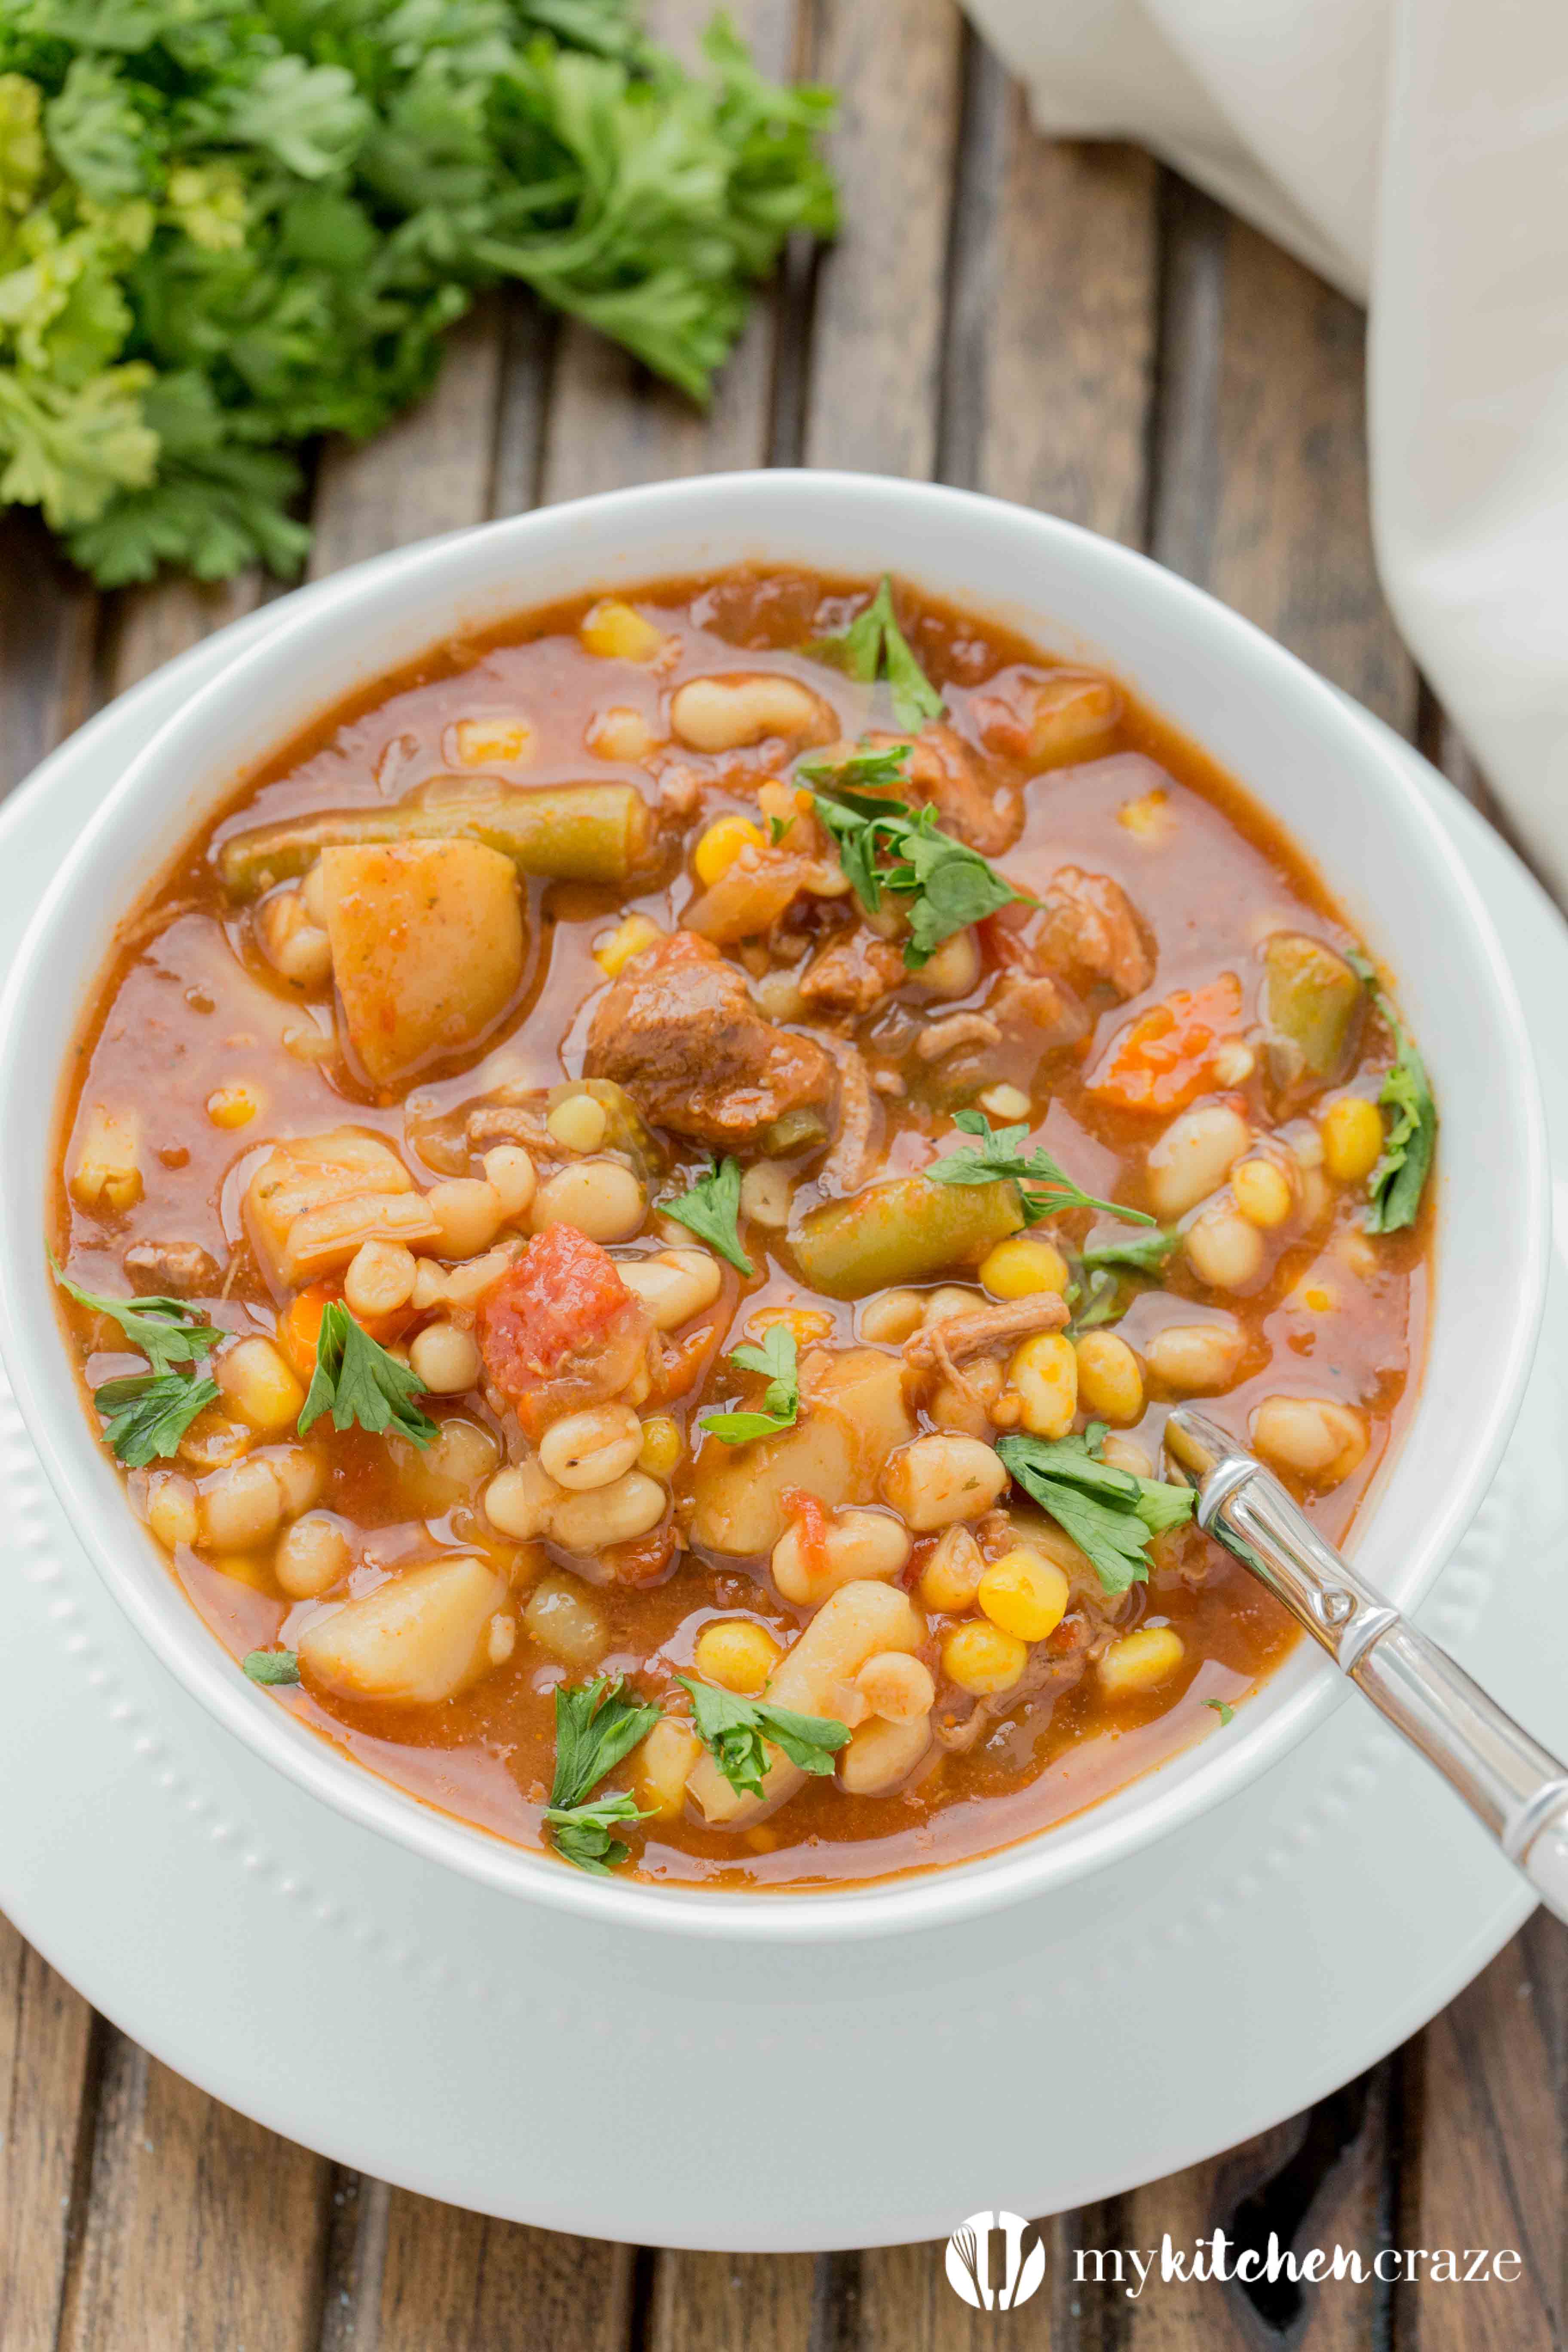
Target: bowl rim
[{"x": 1305, "y": 1688}]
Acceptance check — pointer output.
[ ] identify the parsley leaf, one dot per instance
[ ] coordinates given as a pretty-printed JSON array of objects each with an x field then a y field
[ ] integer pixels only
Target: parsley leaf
[
  {"x": 272, "y": 1666},
  {"x": 1396, "y": 1183},
  {"x": 1110, "y": 1514},
  {"x": 1044, "y": 1189},
  {"x": 583, "y": 1833},
  {"x": 1101, "y": 1294},
  {"x": 166, "y": 1330},
  {"x": 733, "y": 1730},
  {"x": 711, "y": 1207},
  {"x": 1146, "y": 1253},
  {"x": 596, "y": 1727},
  {"x": 146, "y": 1415},
  {"x": 1225, "y": 1712},
  {"x": 883, "y": 843},
  {"x": 356, "y": 1380},
  {"x": 777, "y": 1361},
  {"x": 874, "y": 647}
]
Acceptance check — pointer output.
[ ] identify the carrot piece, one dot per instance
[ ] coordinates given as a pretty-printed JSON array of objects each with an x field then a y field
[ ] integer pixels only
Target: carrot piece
[
  {"x": 300, "y": 1325},
  {"x": 1164, "y": 1058}
]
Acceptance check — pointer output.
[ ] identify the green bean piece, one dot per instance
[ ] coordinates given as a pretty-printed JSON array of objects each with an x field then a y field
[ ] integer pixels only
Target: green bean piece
[
  {"x": 1310, "y": 1002},
  {"x": 569, "y": 833},
  {"x": 906, "y": 1231}
]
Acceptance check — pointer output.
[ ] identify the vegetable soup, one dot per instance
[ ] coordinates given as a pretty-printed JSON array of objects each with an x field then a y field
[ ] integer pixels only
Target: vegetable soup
[{"x": 634, "y": 1207}]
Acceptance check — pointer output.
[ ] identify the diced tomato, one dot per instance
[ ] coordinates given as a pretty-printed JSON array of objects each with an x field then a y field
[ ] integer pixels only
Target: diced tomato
[
  {"x": 1164, "y": 1058},
  {"x": 560, "y": 1329},
  {"x": 809, "y": 1517},
  {"x": 642, "y": 1559}
]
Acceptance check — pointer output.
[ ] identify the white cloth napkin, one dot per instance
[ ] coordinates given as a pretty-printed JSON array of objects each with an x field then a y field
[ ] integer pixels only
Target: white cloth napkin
[{"x": 1416, "y": 151}]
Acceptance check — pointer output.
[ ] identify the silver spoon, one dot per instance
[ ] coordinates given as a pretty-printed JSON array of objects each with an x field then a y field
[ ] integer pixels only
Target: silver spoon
[{"x": 1506, "y": 1778}]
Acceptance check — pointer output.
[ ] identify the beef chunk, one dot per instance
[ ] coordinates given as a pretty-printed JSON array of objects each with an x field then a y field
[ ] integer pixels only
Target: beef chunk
[
  {"x": 1092, "y": 930},
  {"x": 678, "y": 1030}
]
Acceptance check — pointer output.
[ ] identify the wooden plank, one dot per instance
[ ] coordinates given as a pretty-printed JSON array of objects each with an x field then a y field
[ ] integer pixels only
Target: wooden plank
[
  {"x": 46, "y": 2066},
  {"x": 736, "y": 2302},
  {"x": 872, "y": 400},
  {"x": 1486, "y": 2086},
  {"x": 201, "y": 2229},
  {"x": 1287, "y": 539},
  {"x": 907, "y": 2305},
  {"x": 455, "y": 2282},
  {"x": 1068, "y": 331},
  {"x": 48, "y": 617}
]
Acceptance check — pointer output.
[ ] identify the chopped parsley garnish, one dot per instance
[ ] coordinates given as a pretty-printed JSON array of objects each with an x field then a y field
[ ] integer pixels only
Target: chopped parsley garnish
[
  {"x": 1099, "y": 1292},
  {"x": 1044, "y": 1189},
  {"x": 711, "y": 1207},
  {"x": 874, "y": 647},
  {"x": 884, "y": 844},
  {"x": 166, "y": 1330},
  {"x": 596, "y": 1727},
  {"x": 355, "y": 1379},
  {"x": 733, "y": 1730},
  {"x": 1111, "y": 1514},
  {"x": 1225, "y": 1713},
  {"x": 1144, "y": 1252},
  {"x": 777, "y": 1362},
  {"x": 272, "y": 1666},
  {"x": 1396, "y": 1183},
  {"x": 146, "y": 1414}
]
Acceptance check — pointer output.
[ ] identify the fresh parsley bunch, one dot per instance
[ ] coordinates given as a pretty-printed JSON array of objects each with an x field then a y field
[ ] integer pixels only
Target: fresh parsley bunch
[{"x": 229, "y": 225}]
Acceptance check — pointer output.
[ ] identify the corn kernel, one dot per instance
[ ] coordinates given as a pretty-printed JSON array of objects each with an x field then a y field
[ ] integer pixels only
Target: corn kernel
[
  {"x": 1261, "y": 1192},
  {"x": 808, "y": 1326},
  {"x": 1005, "y": 1102},
  {"x": 951, "y": 1577},
  {"x": 614, "y": 950},
  {"x": 1140, "y": 1659},
  {"x": 736, "y": 1654},
  {"x": 661, "y": 1445},
  {"x": 172, "y": 1509},
  {"x": 1352, "y": 1129},
  {"x": 1109, "y": 1378},
  {"x": 721, "y": 845},
  {"x": 498, "y": 739},
  {"x": 1148, "y": 819},
  {"x": 234, "y": 1106},
  {"x": 617, "y": 632},
  {"x": 1043, "y": 1375},
  {"x": 1025, "y": 1594},
  {"x": 663, "y": 1761},
  {"x": 980, "y": 1657},
  {"x": 1016, "y": 1268}
]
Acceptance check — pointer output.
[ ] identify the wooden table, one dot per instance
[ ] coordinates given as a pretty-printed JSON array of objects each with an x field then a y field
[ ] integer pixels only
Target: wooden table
[{"x": 1075, "y": 328}]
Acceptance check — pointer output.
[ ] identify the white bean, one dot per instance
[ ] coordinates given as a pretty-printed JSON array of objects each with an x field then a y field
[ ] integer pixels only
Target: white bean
[
  {"x": 722, "y": 714},
  {"x": 939, "y": 1479},
  {"x": 629, "y": 1507},
  {"x": 855, "y": 1544},
  {"x": 510, "y": 1174},
  {"x": 1195, "y": 1359},
  {"x": 1194, "y": 1157},
  {"x": 892, "y": 1317},
  {"x": 468, "y": 1213},
  {"x": 1222, "y": 1249},
  {"x": 172, "y": 1509},
  {"x": 300, "y": 1477},
  {"x": 767, "y": 1188},
  {"x": 586, "y": 1450},
  {"x": 1321, "y": 1440},
  {"x": 239, "y": 1506},
  {"x": 881, "y": 1754},
  {"x": 578, "y": 1123},
  {"x": 311, "y": 1555},
  {"x": 601, "y": 1197},
  {"x": 896, "y": 1686},
  {"x": 673, "y": 1287},
  {"x": 413, "y": 1642},
  {"x": 519, "y": 1500},
  {"x": 446, "y": 1360},
  {"x": 380, "y": 1278}
]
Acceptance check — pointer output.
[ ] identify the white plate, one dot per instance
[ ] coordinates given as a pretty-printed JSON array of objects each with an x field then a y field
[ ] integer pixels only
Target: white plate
[{"x": 439, "y": 2035}]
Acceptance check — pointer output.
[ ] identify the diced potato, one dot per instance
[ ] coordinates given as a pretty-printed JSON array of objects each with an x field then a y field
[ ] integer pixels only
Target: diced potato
[
  {"x": 107, "y": 1176},
  {"x": 427, "y": 948},
  {"x": 411, "y": 1642},
  {"x": 854, "y": 1415},
  {"x": 316, "y": 1199}
]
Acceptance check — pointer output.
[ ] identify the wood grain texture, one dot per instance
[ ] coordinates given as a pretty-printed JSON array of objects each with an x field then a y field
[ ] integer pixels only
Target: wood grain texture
[
  {"x": 1488, "y": 2126},
  {"x": 1069, "y": 332},
  {"x": 455, "y": 2282},
  {"x": 46, "y": 2064},
  {"x": 733, "y": 2302},
  {"x": 875, "y": 364},
  {"x": 907, "y": 2305},
  {"x": 200, "y": 2229},
  {"x": 48, "y": 618}
]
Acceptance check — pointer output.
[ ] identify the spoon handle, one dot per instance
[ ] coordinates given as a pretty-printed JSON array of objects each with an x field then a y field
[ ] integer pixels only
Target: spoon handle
[{"x": 1508, "y": 1781}]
